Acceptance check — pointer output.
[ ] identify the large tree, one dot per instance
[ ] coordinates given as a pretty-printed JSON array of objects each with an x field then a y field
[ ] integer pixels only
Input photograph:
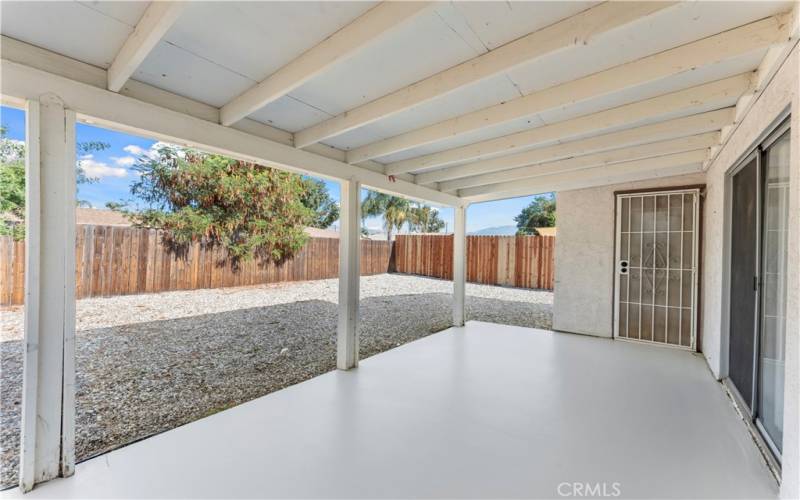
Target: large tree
[
  {"x": 316, "y": 197},
  {"x": 12, "y": 181},
  {"x": 541, "y": 212},
  {"x": 249, "y": 209}
]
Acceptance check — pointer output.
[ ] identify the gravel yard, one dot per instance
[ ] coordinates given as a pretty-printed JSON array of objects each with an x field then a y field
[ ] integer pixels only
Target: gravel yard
[{"x": 149, "y": 363}]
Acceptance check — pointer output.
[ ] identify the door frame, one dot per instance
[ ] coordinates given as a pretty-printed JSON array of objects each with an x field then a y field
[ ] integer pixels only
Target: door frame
[{"x": 699, "y": 189}]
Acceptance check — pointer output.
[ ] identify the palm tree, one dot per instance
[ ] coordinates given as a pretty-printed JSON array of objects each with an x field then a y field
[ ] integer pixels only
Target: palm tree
[
  {"x": 424, "y": 219},
  {"x": 394, "y": 210}
]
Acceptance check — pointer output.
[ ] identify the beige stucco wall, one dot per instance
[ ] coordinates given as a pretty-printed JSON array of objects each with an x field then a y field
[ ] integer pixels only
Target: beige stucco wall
[
  {"x": 781, "y": 94},
  {"x": 584, "y": 285},
  {"x": 583, "y": 301}
]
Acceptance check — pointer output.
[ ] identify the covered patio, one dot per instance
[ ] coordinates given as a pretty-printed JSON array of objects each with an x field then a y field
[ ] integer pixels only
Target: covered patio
[
  {"x": 475, "y": 412},
  {"x": 662, "y": 127}
]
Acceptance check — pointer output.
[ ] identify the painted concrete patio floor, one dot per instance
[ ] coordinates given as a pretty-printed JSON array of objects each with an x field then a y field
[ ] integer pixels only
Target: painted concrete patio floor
[{"x": 483, "y": 411}]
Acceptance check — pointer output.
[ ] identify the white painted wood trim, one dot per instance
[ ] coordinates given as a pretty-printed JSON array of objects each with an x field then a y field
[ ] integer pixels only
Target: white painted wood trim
[
  {"x": 688, "y": 57},
  {"x": 68, "y": 392},
  {"x": 670, "y": 129},
  {"x": 713, "y": 95},
  {"x": 363, "y": 31},
  {"x": 349, "y": 274},
  {"x": 154, "y": 24},
  {"x": 49, "y": 371},
  {"x": 625, "y": 154},
  {"x": 578, "y": 30},
  {"x": 30, "y": 377},
  {"x": 124, "y": 113},
  {"x": 650, "y": 168},
  {"x": 459, "y": 265}
]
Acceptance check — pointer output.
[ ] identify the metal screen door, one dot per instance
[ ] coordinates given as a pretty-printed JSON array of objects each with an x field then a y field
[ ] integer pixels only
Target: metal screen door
[{"x": 655, "y": 292}]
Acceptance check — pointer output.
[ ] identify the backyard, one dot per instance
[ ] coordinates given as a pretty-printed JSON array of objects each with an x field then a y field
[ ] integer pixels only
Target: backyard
[{"x": 147, "y": 363}]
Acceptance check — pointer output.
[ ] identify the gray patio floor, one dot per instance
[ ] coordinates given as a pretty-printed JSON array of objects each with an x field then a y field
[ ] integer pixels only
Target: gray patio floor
[{"x": 484, "y": 411}]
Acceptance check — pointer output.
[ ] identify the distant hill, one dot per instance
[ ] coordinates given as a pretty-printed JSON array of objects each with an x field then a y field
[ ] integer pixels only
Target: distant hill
[{"x": 496, "y": 231}]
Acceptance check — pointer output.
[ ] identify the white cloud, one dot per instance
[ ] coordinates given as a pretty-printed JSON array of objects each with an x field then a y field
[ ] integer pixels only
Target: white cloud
[
  {"x": 133, "y": 149},
  {"x": 125, "y": 161},
  {"x": 97, "y": 169}
]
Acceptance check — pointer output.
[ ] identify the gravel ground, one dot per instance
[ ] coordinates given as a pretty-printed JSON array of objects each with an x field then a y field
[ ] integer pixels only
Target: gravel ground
[{"x": 149, "y": 363}]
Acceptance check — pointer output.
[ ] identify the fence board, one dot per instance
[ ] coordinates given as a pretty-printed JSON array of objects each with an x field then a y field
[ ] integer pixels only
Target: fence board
[
  {"x": 113, "y": 260},
  {"x": 521, "y": 261}
]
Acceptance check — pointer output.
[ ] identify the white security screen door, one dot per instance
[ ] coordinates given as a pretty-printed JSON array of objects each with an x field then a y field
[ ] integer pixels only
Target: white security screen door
[{"x": 655, "y": 281}]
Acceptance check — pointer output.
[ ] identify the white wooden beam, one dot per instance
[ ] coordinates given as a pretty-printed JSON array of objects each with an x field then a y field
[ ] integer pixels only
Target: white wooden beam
[
  {"x": 131, "y": 115},
  {"x": 661, "y": 166},
  {"x": 363, "y": 31},
  {"x": 712, "y": 95},
  {"x": 45, "y": 60},
  {"x": 48, "y": 398},
  {"x": 688, "y": 57},
  {"x": 459, "y": 265},
  {"x": 154, "y": 24},
  {"x": 769, "y": 66},
  {"x": 580, "y": 29},
  {"x": 670, "y": 129},
  {"x": 349, "y": 274},
  {"x": 705, "y": 140}
]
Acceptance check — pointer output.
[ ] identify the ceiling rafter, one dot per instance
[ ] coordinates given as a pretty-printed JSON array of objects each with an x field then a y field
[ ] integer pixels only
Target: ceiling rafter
[
  {"x": 707, "y": 51},
  {"x": 363, "y": 31},
  {"x": 669, "y": 129},
  {"x": 579, "y": 29},
  {"x": 649, "y": 150},
  {"x": 649, "y": 168},
  {"x": 151, "y": 28},
  {"x": 712, "y": 95}
]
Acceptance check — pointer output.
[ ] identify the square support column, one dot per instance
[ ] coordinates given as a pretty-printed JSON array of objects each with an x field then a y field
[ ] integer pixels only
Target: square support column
[
  {"x": 349, "y": 274},
  {"x": 47, "y": 447},
  {"x": 459, "y": 265}
]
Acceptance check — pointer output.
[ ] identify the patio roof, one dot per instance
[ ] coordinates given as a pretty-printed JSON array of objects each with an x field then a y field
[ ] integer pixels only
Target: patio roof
[
  {"x": 486, "y": 411},
  {"x": 509, "y": 98}
]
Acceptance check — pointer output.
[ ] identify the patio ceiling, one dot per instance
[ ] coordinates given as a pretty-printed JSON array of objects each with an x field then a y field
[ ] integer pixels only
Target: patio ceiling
[{"x": 457, "y": 101}]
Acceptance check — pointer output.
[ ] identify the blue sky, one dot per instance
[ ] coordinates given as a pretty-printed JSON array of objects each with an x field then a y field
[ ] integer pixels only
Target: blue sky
[{"x": 112, "y": 168}]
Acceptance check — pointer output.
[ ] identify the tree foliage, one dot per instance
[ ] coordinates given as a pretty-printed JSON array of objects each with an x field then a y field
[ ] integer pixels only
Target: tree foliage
[
  {"x": 425, "y": 219},
  {"x": 541, "y": 212},
  {"x": 394, "y": 210},
  {"x": 324, "y": 209},
  {"x": 397, "y": 211},
  {"x": 249, "y": 209},
  {"x": 12, "y": 181}
]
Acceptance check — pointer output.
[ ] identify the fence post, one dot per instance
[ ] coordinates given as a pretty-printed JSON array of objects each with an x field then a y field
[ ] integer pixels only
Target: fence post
[
  {"x": 47, "y": 441},
  {"x": 459, "y": 265},
  {"x": 349, "y": 275}
]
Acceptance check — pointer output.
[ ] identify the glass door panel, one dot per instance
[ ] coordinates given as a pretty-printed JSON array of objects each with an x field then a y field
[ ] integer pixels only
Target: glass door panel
[{"x": 773, "y": 289}]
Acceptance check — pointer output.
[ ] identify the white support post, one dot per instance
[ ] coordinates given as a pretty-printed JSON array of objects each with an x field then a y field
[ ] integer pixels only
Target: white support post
[
  {"x": 47, "y": 444},
  {"x": 349, "y": 274},
  {"x": 459, "y": 265}
]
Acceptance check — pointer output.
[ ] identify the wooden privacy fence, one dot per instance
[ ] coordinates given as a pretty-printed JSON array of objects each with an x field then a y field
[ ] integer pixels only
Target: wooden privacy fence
[
  {"x": 115, "y": 260},
  {"x": 520, "y": 261}
]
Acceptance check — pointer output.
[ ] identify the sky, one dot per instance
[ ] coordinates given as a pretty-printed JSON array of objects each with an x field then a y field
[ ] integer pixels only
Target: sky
[{"x": 112, "y": 168}]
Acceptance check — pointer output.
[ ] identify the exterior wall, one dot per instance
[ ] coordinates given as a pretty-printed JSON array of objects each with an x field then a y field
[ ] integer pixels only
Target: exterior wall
[
  {"x": 780, "y": 95},
  {"x": 583, "y": 301},
  {"x": 584, "y": 284}
]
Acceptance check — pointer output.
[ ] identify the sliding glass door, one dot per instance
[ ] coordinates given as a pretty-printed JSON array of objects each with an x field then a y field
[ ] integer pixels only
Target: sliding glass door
[
  {"x": 758, "y": 248},
  {"x": 773, "y": 289}
]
